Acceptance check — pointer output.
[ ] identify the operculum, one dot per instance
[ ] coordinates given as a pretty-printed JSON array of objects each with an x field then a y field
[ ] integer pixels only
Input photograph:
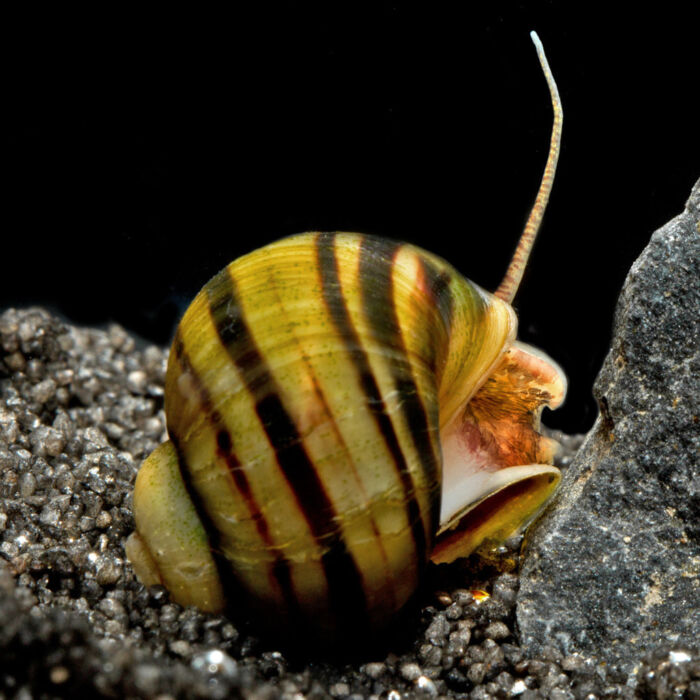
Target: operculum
[{"x": 497, "y": 467}]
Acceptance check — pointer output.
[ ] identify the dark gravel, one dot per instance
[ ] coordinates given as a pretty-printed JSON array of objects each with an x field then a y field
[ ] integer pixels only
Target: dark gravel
[{"x": 80, "y": 409}]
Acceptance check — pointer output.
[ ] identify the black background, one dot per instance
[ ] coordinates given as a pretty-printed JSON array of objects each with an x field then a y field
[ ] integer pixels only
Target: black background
[{"x": 143, "y": 153}]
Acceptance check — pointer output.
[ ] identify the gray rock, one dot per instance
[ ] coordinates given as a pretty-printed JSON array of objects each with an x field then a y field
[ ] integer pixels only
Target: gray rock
[{"x": 613, "y": 569}]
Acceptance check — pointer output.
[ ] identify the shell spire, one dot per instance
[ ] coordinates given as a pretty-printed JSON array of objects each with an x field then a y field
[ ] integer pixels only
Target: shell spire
[{"x": 511, "y": 280}]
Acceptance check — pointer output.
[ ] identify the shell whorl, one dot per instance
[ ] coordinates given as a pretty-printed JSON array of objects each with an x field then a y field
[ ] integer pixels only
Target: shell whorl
[{"x": 305, "y": 392}]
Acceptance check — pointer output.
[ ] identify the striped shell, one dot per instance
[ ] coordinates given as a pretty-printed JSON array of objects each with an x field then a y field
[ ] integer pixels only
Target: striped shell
[{"x": 340, "y": 408}]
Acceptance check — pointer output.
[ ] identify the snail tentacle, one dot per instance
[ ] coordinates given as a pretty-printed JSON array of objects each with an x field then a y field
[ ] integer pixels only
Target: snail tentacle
[{"x": 514, "y": 274}]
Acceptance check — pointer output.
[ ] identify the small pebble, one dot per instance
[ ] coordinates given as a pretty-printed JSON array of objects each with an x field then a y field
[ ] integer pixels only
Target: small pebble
[
  {"x": 453, "y": 612},
  {"x": 444, "y": 598},
  {"x": 107, "y": 572},
  {"x": 374, "y": 669},
  {"x": 573, "y": 662},
  {"x": 410, "y": 671},
  {"x": 180, "y": 647},
  {"x": 463, "y": 597},
  {"x": 59, "y": 675},
  {"x": 426, "y": 685},
  {"x": 43, "y": 391},
  {"x": 339, "y": 690},
  {"x": 136, "y": 381},
  {"x": 15, "y": 361},
  {"x": 50, "y": 515},
  {"x": 438, "y": 630},
  {"x": 476, "y": 673},
  {"x": 497, "y": 630},
  {"x": 27, "y": 485},
  {"x": 147, "y": 679},
  {"x": 103, "y": 520}
]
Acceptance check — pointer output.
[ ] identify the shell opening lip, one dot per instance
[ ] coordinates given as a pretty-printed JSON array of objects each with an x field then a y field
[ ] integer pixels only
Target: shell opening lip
[
  {"x": 497, "y": 467},
  {"x": 504, "y": 511},
  {"x": 478, "y": 487}
]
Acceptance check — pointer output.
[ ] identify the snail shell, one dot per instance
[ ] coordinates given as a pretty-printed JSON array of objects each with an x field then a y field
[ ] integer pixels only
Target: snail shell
[{"x": 341, "y": 408}]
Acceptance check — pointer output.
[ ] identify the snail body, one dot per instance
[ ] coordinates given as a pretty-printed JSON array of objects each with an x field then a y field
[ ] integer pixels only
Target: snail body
[{"x": 341, "y": 408}]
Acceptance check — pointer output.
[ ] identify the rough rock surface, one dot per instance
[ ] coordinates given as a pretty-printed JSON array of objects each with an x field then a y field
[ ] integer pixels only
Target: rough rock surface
[{"x": 613, "y": 569}]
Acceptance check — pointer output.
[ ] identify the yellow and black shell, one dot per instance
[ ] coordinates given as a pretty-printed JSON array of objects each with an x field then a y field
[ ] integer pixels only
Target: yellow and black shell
[{"x": 310, "y": 389}]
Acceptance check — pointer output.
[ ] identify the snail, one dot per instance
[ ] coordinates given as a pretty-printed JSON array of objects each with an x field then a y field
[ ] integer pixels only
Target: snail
[{"x": 342, "y": 409}]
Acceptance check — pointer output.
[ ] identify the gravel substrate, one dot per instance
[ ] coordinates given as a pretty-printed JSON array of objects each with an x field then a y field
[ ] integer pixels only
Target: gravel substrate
[{"x": 80, "y": 409}]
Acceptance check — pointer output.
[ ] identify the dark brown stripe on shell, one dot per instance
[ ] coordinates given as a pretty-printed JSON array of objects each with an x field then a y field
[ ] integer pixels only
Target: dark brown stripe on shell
[
  {"x": 230, "y": 583},
  {"x": 280, "y": 567},
  {"x": 437, "y": 287},
  {"x": 345, "y": 587},
  {"x": 331, "y": 422},
  {"x": 335, "y": 303},
  {"x": 377, "y": 259}
]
